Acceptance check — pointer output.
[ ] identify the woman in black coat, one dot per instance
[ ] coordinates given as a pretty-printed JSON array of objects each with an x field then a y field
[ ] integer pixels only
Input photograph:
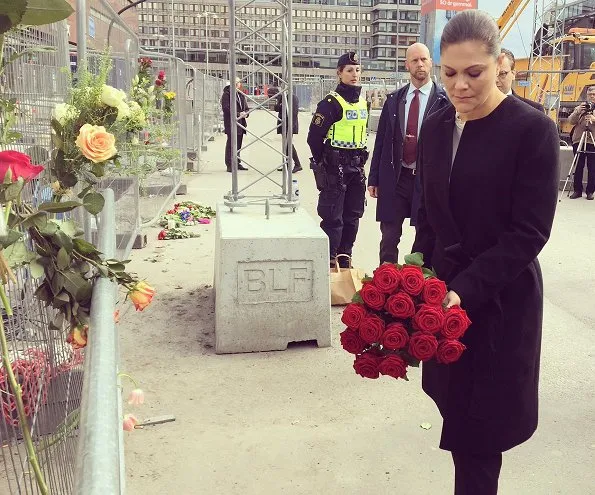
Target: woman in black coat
[
  {"x": 295, "y": 123},
  {"x": 489, "y": 176}
]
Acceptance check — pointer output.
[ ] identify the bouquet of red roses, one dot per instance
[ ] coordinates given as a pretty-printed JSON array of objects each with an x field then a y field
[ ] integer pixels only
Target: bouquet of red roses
[{"x": 397, "y": 320}]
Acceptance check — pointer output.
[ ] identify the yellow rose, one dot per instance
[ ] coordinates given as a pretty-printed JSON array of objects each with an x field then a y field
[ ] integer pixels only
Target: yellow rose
[
  {"x": 111, "y": 96},
  {"x": 123, "y": 111},
  {"x": 96, "y": 143}
]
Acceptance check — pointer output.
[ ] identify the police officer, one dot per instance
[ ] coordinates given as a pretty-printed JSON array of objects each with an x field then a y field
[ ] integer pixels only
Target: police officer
[{"x": 337, "y": 138}]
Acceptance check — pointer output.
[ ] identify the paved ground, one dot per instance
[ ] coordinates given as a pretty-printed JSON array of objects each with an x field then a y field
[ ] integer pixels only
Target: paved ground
[{"x": 300, "y": 421}]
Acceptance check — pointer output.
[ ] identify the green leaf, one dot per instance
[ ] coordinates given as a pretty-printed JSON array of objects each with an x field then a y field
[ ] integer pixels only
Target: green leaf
[
  {"x": 63, "y": 259},
  {"x": 416, "y": 259},
  {"x": 84, "y": 247},
  {"x": 58, "y": 320},
  {"x": 70, "y": 228},
  {"x": 357, "y": 298},
  {"x": 93, "y": 203},
  {"x": 13, "y": 191},
  {"x": 37, "y": 219},
  {"x": 49, "y": 229},
  {"x": 43, "y": 293},
  {"x": 61, "y": 239},
  {"x": 98, "y": 169},
  {"x": 76, "y": 284},
  {"x": 17, "y": 254},
  {"x": 84, "y": 192},
  {"x": 40, "y": 12},
  {"x": 57, "y": 127},
  {"x": 367, "y": 279},
  {"x": 428, "y": 273},
  {"x": 12, "y": 237},
  {"x": 53, "y": 207},
  {"x": 57, "y": 283},
  {"x": 30, "y": 51},
  {"x": 36, "y": 269},
  {"x": 11, "y": 13}
]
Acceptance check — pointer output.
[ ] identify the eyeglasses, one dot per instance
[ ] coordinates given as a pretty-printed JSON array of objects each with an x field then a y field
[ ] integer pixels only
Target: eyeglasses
[{"x": 503, "y": 74}]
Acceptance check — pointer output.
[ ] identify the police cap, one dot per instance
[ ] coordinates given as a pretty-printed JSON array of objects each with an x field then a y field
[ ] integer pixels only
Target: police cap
[{"x": 350, "y": 58}]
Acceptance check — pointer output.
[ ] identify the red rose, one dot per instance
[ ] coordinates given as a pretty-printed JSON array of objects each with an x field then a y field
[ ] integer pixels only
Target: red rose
[
  {"x": 371, "y": 329},
  {"x": 158, "y": 82},
  {"x": 19, "y": 165},
  {"x": 387, "y": 278},
  {"x": 351, "y": 341},
  {"x": 395, "y": 336},
  {"x": 423, "y": 346},
  {"x": 429, "y": 318},
  {"x": 394, "y": 366},
  {"x": 161, "y": 75},
  {"x": 400, "y": 305},
  {"x": 456, "y": 322},
  {"x": 162, "y": 235},
  {"x": 413, "y": 279},
  {"x": 434, "y": 291},
  {"x": 353, "y": 315},
  {"x": 372, "y": 296},
  {"x": 366, "y": 365},
  {"x": 449, "y": 351}
]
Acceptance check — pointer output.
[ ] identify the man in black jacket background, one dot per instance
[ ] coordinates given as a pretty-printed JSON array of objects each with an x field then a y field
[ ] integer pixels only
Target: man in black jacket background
[
  {"x": 392, "y": 177},
  {"x": 242, "y": 109},
  {"x": 506, "y": 76}
]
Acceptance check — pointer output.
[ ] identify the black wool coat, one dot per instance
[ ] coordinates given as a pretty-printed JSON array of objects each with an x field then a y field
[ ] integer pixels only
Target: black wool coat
[
  {"x": 241, "y": 106},
  {"x": 385, "y": 166},
  {"x": 481, "y": 226},
  {"x": 534, "y": 104},
  {"x": 279, "y": 109}
]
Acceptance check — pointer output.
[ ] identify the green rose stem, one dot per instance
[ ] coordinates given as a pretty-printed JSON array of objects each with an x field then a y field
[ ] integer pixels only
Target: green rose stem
[
  {"x": 14, "y": 385},
  {"x": 18, "y": 394}
]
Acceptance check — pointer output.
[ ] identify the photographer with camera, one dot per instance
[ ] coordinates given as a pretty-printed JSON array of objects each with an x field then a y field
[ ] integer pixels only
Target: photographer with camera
[{"x": 584, "y": 121}]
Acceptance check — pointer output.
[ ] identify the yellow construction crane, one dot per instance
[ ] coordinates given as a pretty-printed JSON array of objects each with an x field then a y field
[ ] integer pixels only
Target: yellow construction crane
[{"x": 510, "y": 15}]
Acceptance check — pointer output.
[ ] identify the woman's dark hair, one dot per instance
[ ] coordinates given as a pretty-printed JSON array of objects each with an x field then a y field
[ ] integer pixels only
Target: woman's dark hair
[{"x": 472, "y": 25}]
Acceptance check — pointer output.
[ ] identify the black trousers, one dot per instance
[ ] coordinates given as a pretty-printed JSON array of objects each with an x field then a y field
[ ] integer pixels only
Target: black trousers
[
  {"x": 391, "y": 231},
  {"x": 476, "y": 474},
  {"x": 340, "y": 206},
  {"x": 228, "y": 149},
  {"x": 294, "y": 156},
  {"x": 589, "y": 158}
]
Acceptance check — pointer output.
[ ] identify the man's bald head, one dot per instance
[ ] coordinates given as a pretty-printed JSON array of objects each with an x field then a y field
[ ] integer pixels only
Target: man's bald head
[{"x": 418, "y": 63}]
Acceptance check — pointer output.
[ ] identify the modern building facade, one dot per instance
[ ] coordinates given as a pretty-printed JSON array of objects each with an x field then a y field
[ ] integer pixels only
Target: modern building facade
[{"x": 322, "y": 31}]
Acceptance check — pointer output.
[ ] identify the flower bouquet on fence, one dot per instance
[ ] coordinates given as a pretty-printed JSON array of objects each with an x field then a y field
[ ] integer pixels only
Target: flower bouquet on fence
[{"x": 397, "y": 320}]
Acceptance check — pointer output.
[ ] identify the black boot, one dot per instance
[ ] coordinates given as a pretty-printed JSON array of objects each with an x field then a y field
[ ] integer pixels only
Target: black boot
[
  {"x": 241, "y": 167},
  {"x": 296, "y": 169},
  {"x": 576, "y": 195},
  {"x": 590, "y": 196}
]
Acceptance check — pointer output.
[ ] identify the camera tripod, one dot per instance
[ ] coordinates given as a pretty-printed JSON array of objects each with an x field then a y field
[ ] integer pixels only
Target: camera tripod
[{"x": 581, "y": 151}]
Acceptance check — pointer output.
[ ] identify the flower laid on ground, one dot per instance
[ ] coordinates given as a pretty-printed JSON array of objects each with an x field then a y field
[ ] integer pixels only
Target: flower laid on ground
[
  {"x": 136, "y": 397},
  {"x": 14, "y": 164},
  {"x": 175, "y": 233},
  {"x": 397, "y": 320},
  {"x": 141, "y": 295},
  {"x": 96, "y": 143},
  {"x": 129, "y": 422},
  {"x": 187, "y": 213}
]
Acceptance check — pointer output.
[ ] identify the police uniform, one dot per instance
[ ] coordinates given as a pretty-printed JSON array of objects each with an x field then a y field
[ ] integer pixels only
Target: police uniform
[{"x": 337, "y": 138}]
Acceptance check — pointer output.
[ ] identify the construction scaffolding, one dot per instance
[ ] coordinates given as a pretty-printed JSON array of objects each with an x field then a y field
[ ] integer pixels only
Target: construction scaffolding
[{"x": 245, "y": 33}]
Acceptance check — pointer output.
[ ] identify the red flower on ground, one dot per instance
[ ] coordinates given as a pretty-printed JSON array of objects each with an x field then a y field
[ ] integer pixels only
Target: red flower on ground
[
  {"x": 18, "y": 165},
  {"x": 395, "y": 336},
  {"x": 352, "y": 342},
  {"x": 423, "y": 346},
  {"x": 429, "y": 318},
  {"x": 366, "y": 365},
  {"x": 400, "y": 305},
  {"x": 371, "y": 329},
  {"x": 456, "y": 322},
  {"x": 162, "y": 235},
  {"x": 372, "y": 296},
  {"x": 434, "y": 291},
  {"x": 353, "y": 314},
  {"x": 449, "y": 351},
  {"x": 394, "y": 366},
  {"x": 387, "y": 278},
  {"x": 413, "y": 279}
]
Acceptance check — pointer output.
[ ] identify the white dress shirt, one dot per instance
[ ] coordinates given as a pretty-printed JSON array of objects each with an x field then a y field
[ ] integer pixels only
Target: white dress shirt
[{"x": 424, "y": 96}]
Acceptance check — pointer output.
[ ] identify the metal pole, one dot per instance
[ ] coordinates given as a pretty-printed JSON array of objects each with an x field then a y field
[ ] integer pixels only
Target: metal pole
[
  {"x": 81, "y": 34},
  {"x": 232, "y": 101},
  {"x": 98, "y": 457},
  {"x": 288, "y": 77}
]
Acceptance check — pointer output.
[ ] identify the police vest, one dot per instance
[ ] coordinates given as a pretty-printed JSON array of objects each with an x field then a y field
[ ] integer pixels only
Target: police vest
[{"x": 350, "y": 131}]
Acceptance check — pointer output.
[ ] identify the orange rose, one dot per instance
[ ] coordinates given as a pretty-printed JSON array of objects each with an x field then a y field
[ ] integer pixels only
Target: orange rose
[
  {"x": 96, "y": 143},
  {"x": 141, "y": 295},
  {"x": 78, "y": 337}
]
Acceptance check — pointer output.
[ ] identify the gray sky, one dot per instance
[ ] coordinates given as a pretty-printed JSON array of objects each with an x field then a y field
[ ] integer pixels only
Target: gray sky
[{"x": 520, "y": 36}]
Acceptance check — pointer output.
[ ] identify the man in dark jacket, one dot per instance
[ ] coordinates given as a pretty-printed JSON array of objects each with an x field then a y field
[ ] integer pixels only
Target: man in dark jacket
[
  {"x": 392, "y": 171},
  {"x": 506, "y": 76},
  {"x": 242, "y": 109},
  {"x": 297, "y": 167}
]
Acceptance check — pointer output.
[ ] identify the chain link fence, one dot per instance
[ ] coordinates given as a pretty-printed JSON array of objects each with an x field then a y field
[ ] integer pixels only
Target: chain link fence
[{"x": 47, "y": 368}]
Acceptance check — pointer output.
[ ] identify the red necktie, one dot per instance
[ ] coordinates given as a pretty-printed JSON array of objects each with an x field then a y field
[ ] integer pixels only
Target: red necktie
[{"x": 410, "y": 143}]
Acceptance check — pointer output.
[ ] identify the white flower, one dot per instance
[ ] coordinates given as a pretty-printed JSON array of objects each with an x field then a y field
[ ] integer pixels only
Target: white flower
[
  {"x": 63, "y": 112},
  {"x": 111, "y": 96},
  {"x": 123, "y": 111}
]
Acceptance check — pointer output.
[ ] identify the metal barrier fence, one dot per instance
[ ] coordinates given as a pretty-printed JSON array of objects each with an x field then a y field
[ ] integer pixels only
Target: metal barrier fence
[{"x": 48, "y": 369}]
